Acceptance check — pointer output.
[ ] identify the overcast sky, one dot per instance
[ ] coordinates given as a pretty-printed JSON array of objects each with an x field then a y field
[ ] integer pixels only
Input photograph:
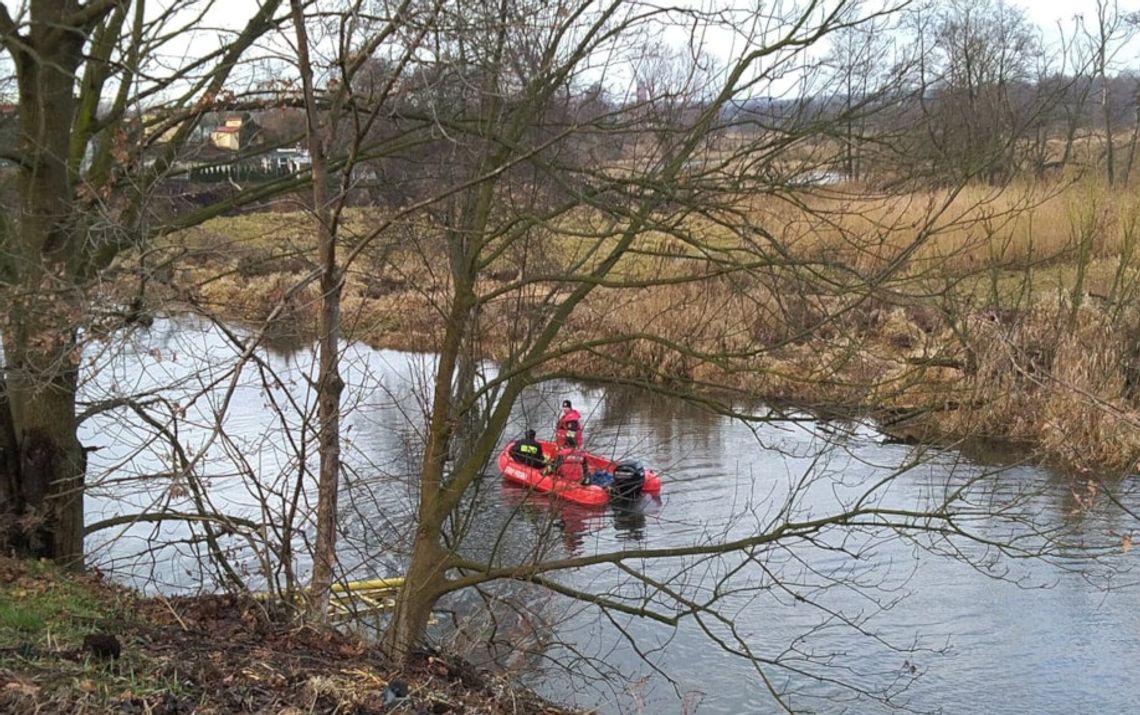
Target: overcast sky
[
  {"x": 1043, "y": 13},
  {"x": 232, "y": 14},
  {"x": 1047, "y": 12}
]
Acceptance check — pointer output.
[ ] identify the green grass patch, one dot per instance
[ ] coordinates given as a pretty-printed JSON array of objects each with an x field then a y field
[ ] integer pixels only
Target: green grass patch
[
  {"x": 44, "y": 604},
  {"x": 45, "y": 615},
  {"x": 20, "y": 619}
]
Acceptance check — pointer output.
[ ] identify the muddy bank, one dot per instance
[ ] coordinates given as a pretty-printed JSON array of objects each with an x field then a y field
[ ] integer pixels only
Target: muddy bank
[{"x": 77, "y": 644}]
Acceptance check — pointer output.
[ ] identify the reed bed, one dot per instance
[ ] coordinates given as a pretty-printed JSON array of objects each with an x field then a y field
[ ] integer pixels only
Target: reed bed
[{"x": 1011, "y": 314}]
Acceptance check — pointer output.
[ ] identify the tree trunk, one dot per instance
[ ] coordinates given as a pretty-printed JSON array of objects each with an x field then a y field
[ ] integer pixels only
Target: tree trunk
[
  {"x": 1070, "y": 137},
  {"x": 1132, "y": 142},
  {"x": 11, "y": 505},
  {"x": 47, "y": 501},
  {"x": 424, "y": 584},
  {"x": 329, "y": 381},
  {"x": 43, "y": 459},
  {"x": 44, "y": 500},
  {"x": 1110, "y": 156},
  {"x": 1105, "y": 95},
  {"x": 425, "y": 580}
]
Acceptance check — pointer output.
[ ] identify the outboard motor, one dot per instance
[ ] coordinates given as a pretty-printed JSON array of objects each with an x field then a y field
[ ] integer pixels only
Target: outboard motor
[{"x": 629, "y": 478}]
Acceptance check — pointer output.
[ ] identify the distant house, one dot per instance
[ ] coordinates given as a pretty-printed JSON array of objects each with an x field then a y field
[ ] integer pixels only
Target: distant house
[
  {"x": 236, "y": 134},
  {"x": 157, "y": 128},
  {"x": 226, "y": 137}
]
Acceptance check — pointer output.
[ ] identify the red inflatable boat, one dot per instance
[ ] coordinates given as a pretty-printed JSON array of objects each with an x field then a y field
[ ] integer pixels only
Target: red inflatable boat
[{"x": 564, "y": 486}]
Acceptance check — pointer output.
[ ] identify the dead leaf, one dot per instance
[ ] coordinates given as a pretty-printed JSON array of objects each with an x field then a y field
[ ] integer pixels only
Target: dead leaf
[
  {"x": 350, "y": 650},
  {"x": 1126, "y": 542},
  {"x": 23, "y": 688}
]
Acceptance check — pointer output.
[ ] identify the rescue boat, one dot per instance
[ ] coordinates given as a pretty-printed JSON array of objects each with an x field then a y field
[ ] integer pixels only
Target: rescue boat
[{"x": 630, "y": 478}]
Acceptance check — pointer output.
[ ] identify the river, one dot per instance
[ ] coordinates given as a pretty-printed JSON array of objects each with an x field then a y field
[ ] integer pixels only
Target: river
[{"x": 853, "y": 620}]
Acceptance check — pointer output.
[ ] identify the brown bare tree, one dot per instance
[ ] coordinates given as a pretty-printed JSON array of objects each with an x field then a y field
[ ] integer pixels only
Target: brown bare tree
[
  {"x": 1111, "y": 31},
  {"x": 82, "y": 80}
]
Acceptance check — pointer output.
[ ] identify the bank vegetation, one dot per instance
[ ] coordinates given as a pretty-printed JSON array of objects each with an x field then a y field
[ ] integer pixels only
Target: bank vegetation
[{"x": 1017, "y": 319}]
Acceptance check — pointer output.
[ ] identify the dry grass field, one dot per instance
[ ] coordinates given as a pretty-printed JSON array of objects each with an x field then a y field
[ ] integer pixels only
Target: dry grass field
[{"x": 1008, "y": 313}]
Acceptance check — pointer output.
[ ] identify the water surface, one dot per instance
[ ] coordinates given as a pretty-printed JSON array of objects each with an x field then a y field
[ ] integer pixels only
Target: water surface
[{"x": 912, "y": 619}]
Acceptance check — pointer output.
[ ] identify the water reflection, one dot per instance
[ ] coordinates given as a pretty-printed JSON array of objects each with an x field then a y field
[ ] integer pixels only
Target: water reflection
[
  {"x": 575, "y": 523},
  {"x": 282, "y": 341},
  {"x": 1010, "y": 647},
  {"x": 629, "y": 519}
]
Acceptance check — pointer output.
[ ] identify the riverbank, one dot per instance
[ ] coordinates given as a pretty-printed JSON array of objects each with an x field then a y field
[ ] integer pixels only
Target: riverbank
[
  {"x": 77, "y": 644},
  {"x": 1024, "y": 329}
]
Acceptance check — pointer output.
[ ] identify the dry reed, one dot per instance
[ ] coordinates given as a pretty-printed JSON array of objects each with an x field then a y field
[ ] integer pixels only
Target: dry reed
[{"x": 1010, "y": 314}]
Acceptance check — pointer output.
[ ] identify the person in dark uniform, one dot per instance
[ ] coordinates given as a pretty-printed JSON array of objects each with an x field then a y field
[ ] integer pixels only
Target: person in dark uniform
[{"x": 528, "y": 451}]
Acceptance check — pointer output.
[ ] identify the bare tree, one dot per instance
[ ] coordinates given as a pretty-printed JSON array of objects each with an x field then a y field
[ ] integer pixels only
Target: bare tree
[
  {"x": 537, "y": 232},
  {"x": 569, "y": 209},
  {"x": 83, "y": 190},
  {"x": 360, "y": 107},
  {"x": 858, "y": 54},
  {"x": 975, "y": 60},
  {"x": 1112, "y": 30},
  {"x": 329, "y": 381}
]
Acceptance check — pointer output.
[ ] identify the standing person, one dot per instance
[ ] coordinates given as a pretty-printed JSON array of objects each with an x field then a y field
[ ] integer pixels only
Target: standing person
[{"x": 569, "y": 426}]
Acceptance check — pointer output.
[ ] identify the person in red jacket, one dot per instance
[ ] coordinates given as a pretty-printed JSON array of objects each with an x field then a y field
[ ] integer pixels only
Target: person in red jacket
[
  {"x": 569, "y": 426},
  {"x": 571, "y": 464}
]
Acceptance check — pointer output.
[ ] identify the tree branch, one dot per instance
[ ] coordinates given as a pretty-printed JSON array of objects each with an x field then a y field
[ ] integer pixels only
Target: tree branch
[
  {"x": 135, "y": 402},
  {"x": 898, "y": 519},
  {"x": 151, "y": 518},
  {"x": 7, "y": 24},
  {"x": 608, "y": 603},
  {"x": 90, "y": 13},
  {"x": 12, "y": 155}
]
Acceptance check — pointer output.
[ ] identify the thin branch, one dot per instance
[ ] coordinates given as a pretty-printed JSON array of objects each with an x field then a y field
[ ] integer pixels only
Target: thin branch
[
  {"x": 898, "y": 519},
  {"x": 156, "y": 517},
  {"x": 16, "y": 157}
]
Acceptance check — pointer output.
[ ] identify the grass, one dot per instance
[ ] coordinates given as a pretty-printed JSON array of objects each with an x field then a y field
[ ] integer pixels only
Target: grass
[
  {"x": 1020, "y": 307},
  {"x": 42, "y": 608},
  {"x": 19, "y": 620},
  {"x": 45, "y": 614},
  {"x": 212, "y": 654}
]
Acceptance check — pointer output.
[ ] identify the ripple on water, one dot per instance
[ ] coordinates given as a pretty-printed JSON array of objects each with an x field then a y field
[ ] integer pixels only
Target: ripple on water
[{"x": 984, "y": 645}]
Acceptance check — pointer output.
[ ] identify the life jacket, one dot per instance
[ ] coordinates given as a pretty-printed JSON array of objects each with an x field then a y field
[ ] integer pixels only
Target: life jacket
[
  {"x": 528, "y": 453},
  {"x": 570, "y": 425}
]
